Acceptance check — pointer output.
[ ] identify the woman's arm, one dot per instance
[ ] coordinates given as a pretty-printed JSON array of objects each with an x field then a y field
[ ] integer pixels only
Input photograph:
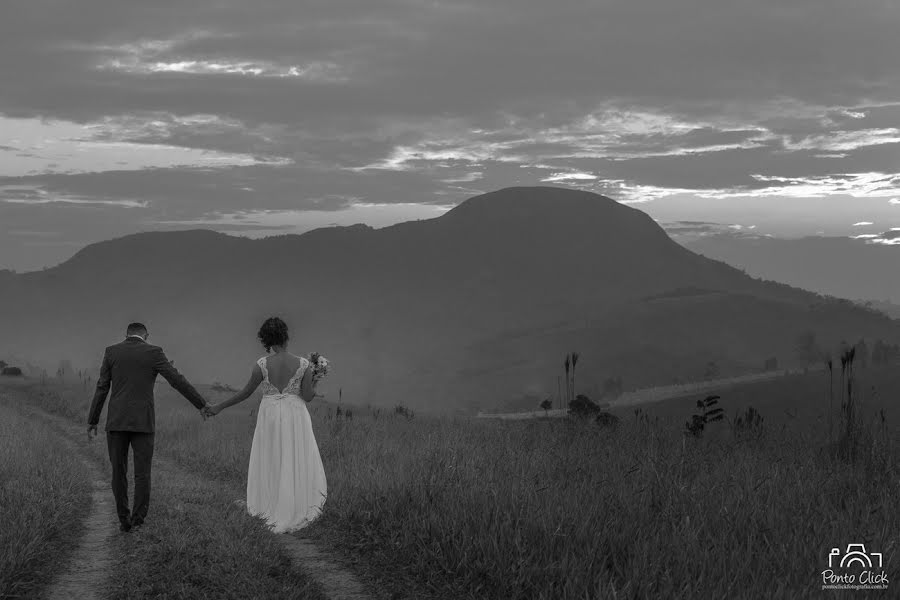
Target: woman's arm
[
  {"x": 308, "y": 385},
  {"x": 256, "y": 378}
]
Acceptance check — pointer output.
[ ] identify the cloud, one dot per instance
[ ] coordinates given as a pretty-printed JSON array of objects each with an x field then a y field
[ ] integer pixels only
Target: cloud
[
  {"x": 886, "y": 238},
  {"x": 569, "y": 176},
  {"x": 396, "y": 57},
  {"x": 217, "y": 108},
  {"x": 684, "y": 231},
  {"x": 43, "y": 146}
]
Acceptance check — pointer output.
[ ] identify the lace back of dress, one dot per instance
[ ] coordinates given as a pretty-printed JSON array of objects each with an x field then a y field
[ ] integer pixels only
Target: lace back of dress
[
  {"x": 293, "y": 386},
  {"x": 267, "y": 388}
]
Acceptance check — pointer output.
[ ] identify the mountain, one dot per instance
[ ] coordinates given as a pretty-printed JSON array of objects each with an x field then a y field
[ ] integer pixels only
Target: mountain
[
  {"x": 473, "y": 309},
  {"x": 838, "y": 266},
  {"x": 889, "y": 308}
]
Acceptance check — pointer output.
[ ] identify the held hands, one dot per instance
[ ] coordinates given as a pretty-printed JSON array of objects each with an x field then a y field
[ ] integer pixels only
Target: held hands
[
  {"x": 206, "y": 412},
  {"x": 210, "y": 410}
]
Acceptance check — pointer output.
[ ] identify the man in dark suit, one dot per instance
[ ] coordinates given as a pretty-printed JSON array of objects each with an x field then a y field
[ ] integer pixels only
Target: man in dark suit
[{"x": 130, "y": 369}]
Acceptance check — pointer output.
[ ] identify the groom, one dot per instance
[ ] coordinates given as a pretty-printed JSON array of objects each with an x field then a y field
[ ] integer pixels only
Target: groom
[{"x": 130, "y": 369}]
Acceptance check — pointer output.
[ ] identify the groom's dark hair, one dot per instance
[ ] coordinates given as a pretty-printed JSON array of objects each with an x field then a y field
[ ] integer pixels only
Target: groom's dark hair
[{"x": 136, "y": 329}]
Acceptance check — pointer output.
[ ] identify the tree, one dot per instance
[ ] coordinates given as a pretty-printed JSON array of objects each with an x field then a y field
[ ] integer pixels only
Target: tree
[
  {"x": 891, "y": 353},
  {"x": 807, "y": 346},
  {"x": 568, "y": 392},
  {"x": 878, "y": 351},
  {"x": 574, "y": 362},
  {"x": 771, "y": 364},
  {"x": 862, "y": 353},
  {"x": 830, "y": 364},
  {"x": 3, "y": 364},
  {"x": 65, "y": 368},
  {"x": 559, "y": 391},
  {"x": 547, "y": 405},
  {"x": 884, "y": 353}
]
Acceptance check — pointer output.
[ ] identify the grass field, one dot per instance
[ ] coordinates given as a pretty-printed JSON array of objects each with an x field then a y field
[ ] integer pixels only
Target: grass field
[
  {"x": 554, "y": 508},
  {"x": 196, "y": 543},
  {"x": 44, "y": 493}
]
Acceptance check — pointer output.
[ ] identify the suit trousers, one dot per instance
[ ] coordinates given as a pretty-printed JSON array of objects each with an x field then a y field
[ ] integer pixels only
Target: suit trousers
[{"x": 117, "y": 443}]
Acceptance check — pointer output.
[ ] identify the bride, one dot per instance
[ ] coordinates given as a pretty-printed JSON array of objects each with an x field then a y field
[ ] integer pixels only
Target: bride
[{"x": 286, "y": 480}]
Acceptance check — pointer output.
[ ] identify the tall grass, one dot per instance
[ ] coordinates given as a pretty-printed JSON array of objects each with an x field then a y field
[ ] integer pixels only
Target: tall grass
[
  {"x": 196, "y": 543},
  {"x": 459, "y": 508},
  {"x": 44, "y": 492},
  {"x": 556, "y": 510}
]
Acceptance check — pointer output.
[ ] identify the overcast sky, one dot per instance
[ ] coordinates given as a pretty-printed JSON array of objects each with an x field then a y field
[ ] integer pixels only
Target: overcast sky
[{"x": 283, "y": 115}]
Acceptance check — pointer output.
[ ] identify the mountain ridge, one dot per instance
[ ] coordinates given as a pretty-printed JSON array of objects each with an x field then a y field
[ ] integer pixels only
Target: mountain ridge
[{"x": 503, "y": 285}]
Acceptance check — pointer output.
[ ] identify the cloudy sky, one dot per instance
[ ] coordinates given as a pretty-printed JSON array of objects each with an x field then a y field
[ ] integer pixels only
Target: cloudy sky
[{"x": 284, "y": 115}]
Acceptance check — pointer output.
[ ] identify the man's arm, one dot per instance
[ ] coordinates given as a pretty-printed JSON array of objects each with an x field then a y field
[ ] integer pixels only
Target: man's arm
[
  {"x": 176, "y": 379},
  {"x": 103, "y": 383}
]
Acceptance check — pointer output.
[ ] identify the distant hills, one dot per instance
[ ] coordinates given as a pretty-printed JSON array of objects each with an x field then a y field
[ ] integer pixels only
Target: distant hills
[
  {"x": 839, "y": 266},
  {"x": 475, "y": 309},
  {"x": 888, "y": 308}
]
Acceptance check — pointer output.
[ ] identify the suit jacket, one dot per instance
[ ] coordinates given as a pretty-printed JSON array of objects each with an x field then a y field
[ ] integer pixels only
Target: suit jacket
[{"x": 129, "y": 369}]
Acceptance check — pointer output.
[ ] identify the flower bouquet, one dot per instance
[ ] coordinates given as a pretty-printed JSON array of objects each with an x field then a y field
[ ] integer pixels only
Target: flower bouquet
[{"x": 319, "y": 365}]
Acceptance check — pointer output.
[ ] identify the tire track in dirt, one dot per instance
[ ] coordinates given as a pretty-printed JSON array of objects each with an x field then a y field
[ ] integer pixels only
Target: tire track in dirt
[
  {"x": 335, "y": 581},
  {"x": 85, "y": 572}
]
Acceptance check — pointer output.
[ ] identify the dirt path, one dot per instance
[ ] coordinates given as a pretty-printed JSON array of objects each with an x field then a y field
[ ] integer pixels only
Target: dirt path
[
  {"x": 90, "y": 564},
  {"x": 85, "y": 572},
  {"x": 656, "y": 394},
  {"x": 335, "y": 581},
  {"x": 84, "y": 575}
]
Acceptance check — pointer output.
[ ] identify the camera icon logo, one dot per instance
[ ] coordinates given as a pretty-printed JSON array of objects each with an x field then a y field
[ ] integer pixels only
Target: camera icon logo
[{"x": 855, "y": 555}]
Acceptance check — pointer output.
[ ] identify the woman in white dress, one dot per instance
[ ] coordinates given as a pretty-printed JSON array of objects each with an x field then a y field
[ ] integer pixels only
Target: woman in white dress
[{"x": 286, "y": 480}]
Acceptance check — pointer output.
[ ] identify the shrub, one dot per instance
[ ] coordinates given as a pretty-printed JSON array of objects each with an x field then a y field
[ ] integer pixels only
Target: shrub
[
  {"x": 582, "y": 406},
  {"x": 605, "y": 419},
  {"x": 750, "y": 423},
  {"x": 404, "y": 411}
]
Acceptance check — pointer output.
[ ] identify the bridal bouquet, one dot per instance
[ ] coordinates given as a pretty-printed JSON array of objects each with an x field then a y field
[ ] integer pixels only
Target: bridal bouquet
[{"x": 319, "y": 365}]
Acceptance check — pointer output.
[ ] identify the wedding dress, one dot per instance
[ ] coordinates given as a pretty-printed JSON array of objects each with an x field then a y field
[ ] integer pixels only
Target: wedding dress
[{"x": 286, "y": 480}]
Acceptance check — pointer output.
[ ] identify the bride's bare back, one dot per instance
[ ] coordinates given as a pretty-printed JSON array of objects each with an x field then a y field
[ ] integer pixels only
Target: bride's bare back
[{"x": 282, "y": 366}]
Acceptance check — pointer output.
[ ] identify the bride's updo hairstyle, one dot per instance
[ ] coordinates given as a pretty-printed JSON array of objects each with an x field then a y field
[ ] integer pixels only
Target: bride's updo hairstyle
[{"x": 274, "y": 332}]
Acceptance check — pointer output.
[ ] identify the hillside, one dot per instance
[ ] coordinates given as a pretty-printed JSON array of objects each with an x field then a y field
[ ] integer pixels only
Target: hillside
[
  {"x": 471, "y": 309},
  {"x": 839, "y": 266}
]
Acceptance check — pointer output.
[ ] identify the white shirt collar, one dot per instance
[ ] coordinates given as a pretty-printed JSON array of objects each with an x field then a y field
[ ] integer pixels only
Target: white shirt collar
[{"x": 138, "y": 337}]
